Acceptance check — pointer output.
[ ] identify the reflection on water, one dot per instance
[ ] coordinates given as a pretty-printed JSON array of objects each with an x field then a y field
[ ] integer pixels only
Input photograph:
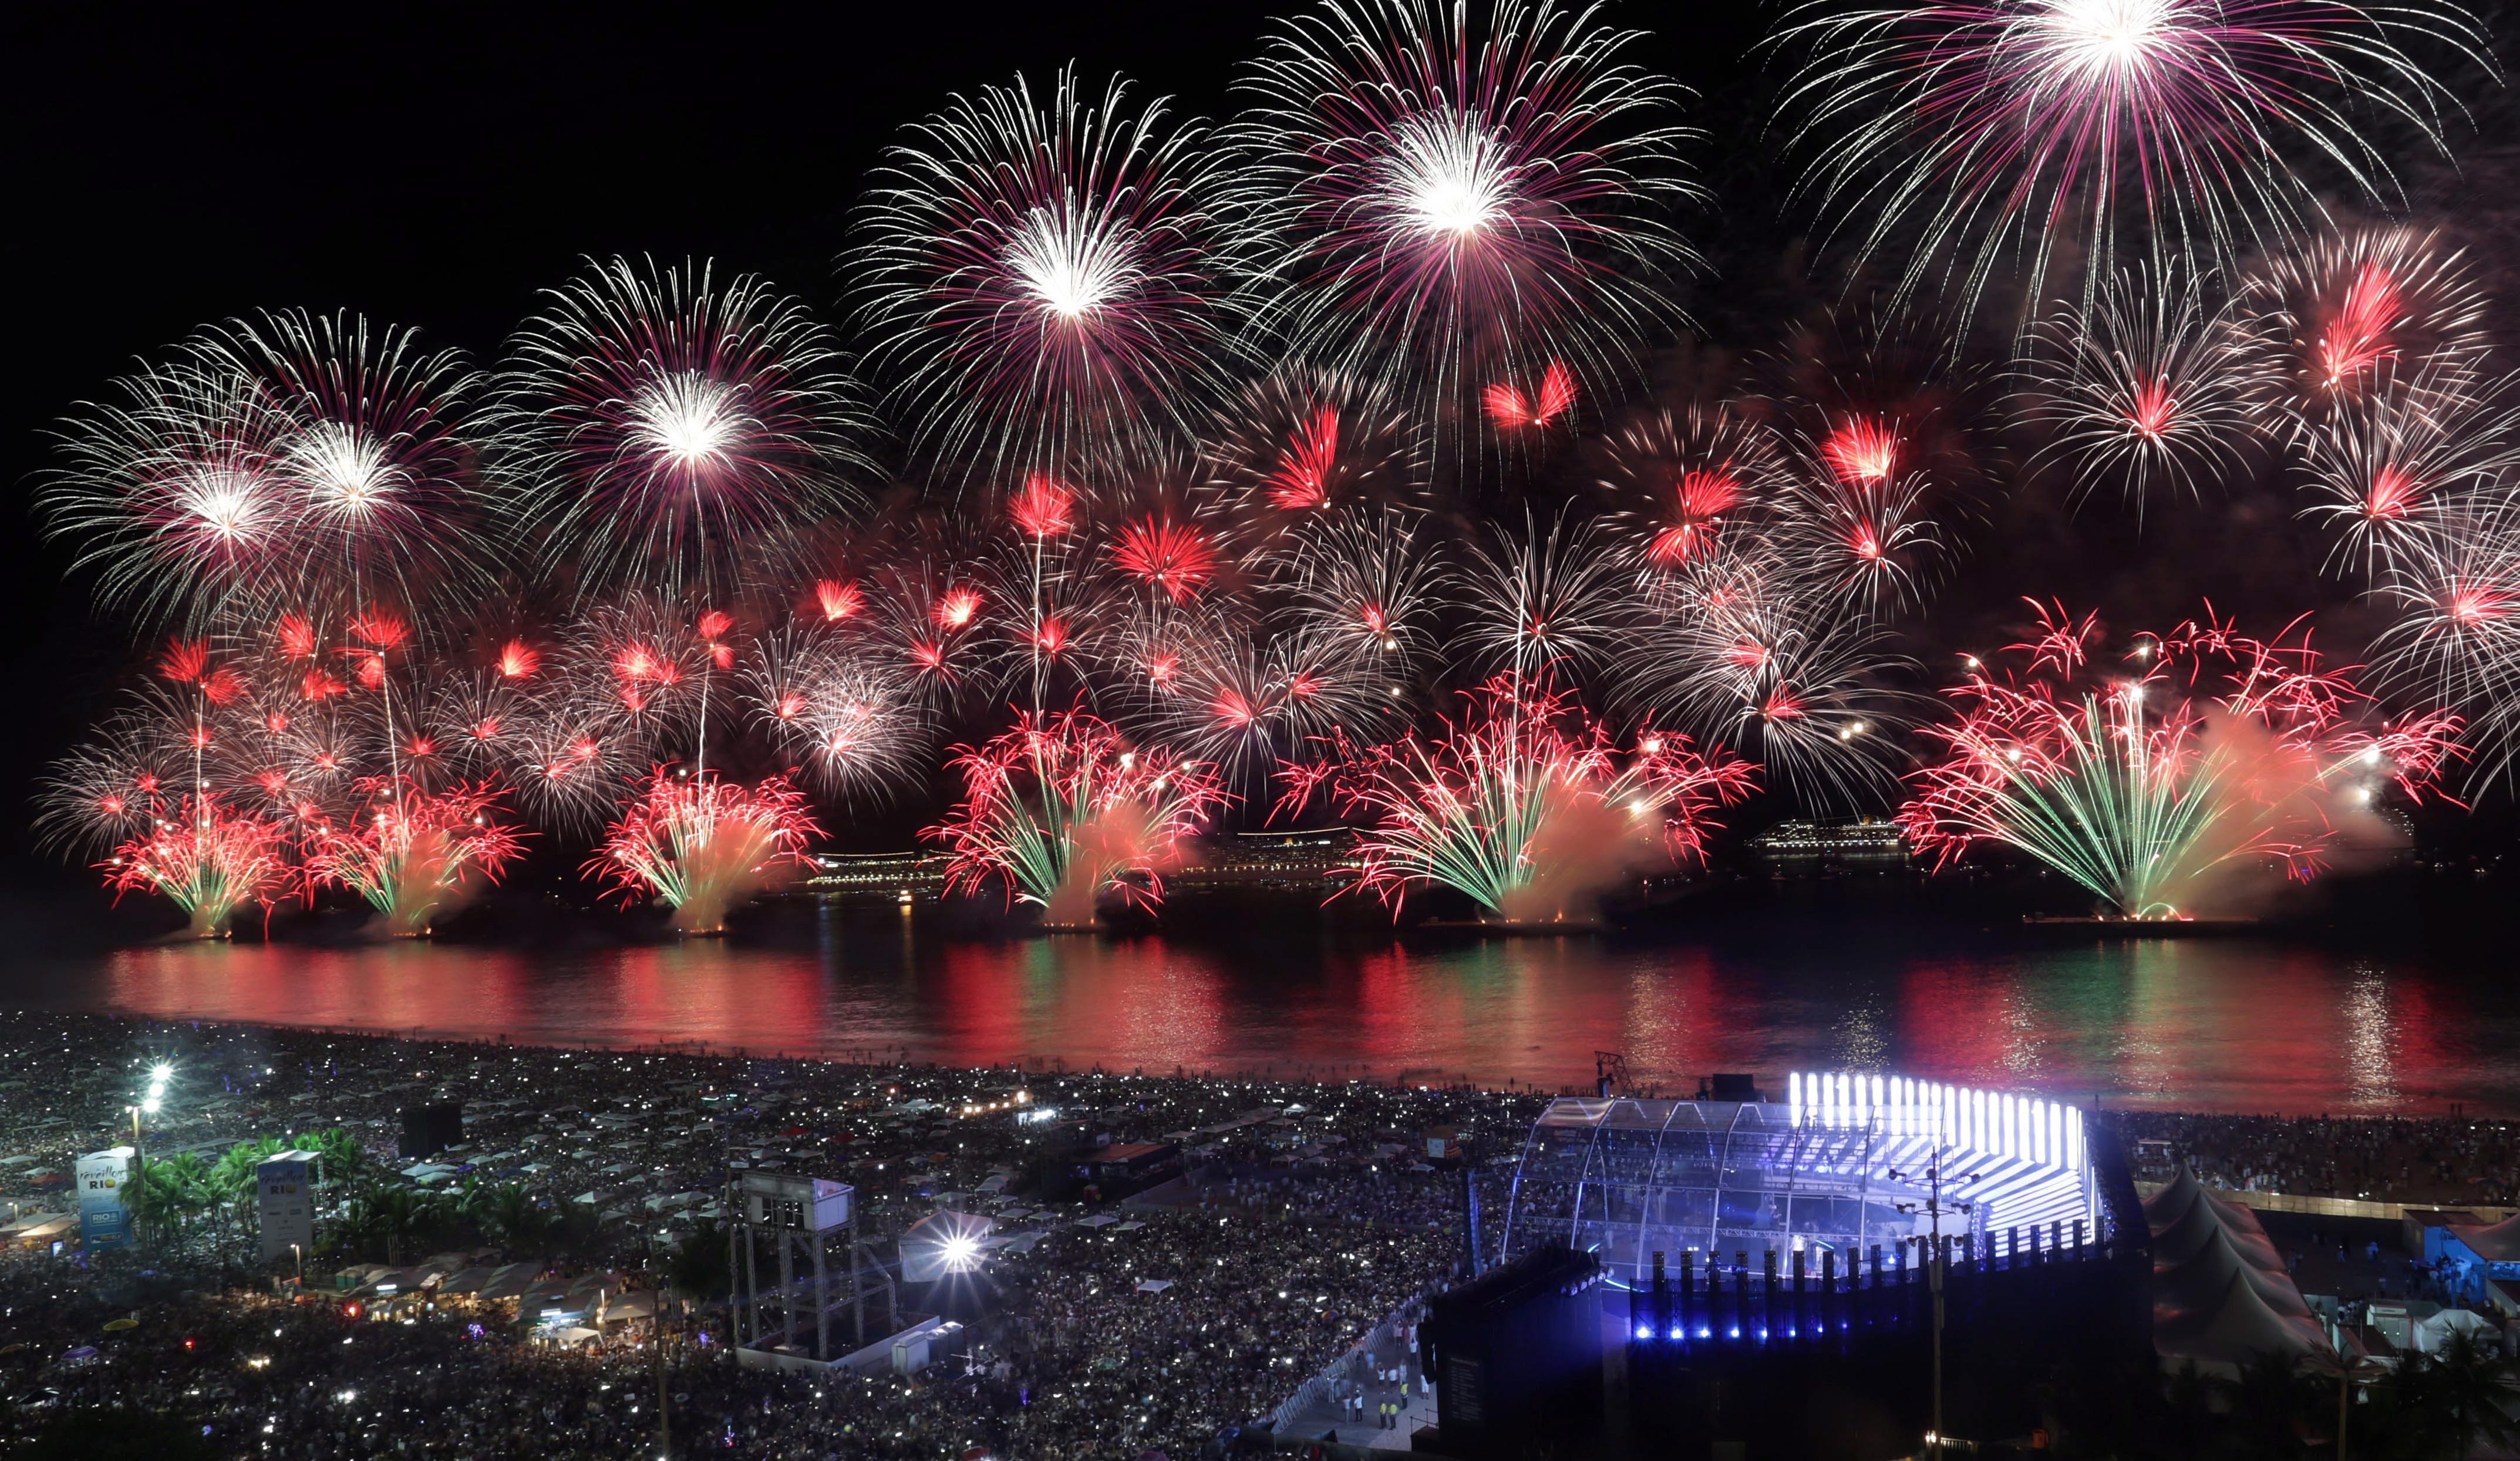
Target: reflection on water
[{"x": 2231, "y": 1024}]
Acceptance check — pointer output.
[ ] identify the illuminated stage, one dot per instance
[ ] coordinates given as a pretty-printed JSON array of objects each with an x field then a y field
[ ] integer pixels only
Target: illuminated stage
[
  {"x": 1842, "y": 1167},
  {"x": 1759, "y": 1274}
]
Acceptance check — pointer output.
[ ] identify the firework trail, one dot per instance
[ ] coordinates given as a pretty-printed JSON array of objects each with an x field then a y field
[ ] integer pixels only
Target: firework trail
[
  {"x": 2333, "y": 320},
  {"x": 412, "y": 854},
  {"x": 1302, "y": 440},
  {"x": 2146, "y": 385},
  {"x": 174, "y": 496},
  {"x": 2079, "y": 135},
  {"x": 669, "y": 433},
  {"x": 1061, "y": 811},
  {"x": 2383, "y": 472},
  {"x": 1047, "y": 282},
  {"x": 1457, "y": 198},
  {"x": 1544, "y": 604},
  {"x": 1526, "y": 805},
  {"x": 2148, "y": 790},
  {"x": 701, "y": 846},
  {"x": 376, "y": 470},
  {"x": 207, "y": 861}
]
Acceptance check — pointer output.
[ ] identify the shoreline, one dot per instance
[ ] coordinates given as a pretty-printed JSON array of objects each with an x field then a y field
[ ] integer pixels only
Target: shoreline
[{"x": 1324, "y": 1074}]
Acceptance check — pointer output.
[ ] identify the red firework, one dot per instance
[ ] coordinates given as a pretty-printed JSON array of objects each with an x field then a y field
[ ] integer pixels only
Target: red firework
[
  {"x": 1044, "y": 508},
  {"x": 957, "y": 608},
  {"x": 412, "y": 853},
  {"x": 1176, "y": 558},
  {"x": 1862, "y": 450},
  {"x": 1302, "y": 479},
  {"x": 1514, "y": 411},
  {"x": 700, "y": 845},
  {"x": 1700, "y": 501},
  {"x": 1528, "y": 805},
  {"x": 208, "y": 861},
  {"x": 1061, "y": 810},
  {"x": 2151, "y": 789},
  {"x": 839, "y": 599}
]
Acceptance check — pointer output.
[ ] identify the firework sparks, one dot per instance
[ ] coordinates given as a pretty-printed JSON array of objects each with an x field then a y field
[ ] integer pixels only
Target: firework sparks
[
  {"x": 1303, "y": 440},
  {"x": 670, "y": 432},
  {"x": 209, "y": 861},
  {"x": 2153, "y": 796},
  {"x": 413, "y": 854},
  {"x": 2104, "y": 131},
  {"x": 1527, "y": 807},
  {"x": 2333, "y": 322},
  {"x": 2381, "y": 472},
  {"x": 1046, "y": 279},
  {"x": 1452, "y": 207},
  {"x": 1547, "y": 601},
  {"x": 2145, "y": 386},
  {"x": 175, "y": 495},
  {"x": 702, "y": 845},
  {"x": 1063, "y": 812}
]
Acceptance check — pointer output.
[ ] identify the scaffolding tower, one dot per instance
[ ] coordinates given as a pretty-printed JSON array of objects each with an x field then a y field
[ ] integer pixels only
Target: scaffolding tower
[{"x": 809, "y": 1229}]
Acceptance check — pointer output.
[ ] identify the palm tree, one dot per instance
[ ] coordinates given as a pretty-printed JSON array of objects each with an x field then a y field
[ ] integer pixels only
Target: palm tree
[
  {"x": 159, "y": 1195},
  {"x": 2271, "y": 1403},
  {"x": 344, "y": 1159},
  {"x": 2475, "y": 1388},
  {"x": 512, "y": 1213},
  {"x": 391, "y": 1214}
]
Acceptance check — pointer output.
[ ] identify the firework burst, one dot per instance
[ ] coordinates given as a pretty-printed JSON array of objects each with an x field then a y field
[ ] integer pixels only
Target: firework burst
[
  {"x": 2383, "y": 472},
  {"x": 1546, "y": 603},
  {"x": 209, "y": 861},
  {"x": 1062, "y": 813},
  {"x": 2334, "y": 320},
  {"x": 1047, "y": 280},
  {"x": 700, "y": 845},
  {"x": 1743, "y": 660},
  {"x": 1675, "y": 480},
  {"x": 843, "y": 707},
  {"x": 175, "y": 495},
  {"x": 2456, "y": 637},
  {"x": 377, "y": 468},
  {"x": 413, "y": 855},
  {"x": 2153, "y": 792},
  {"x": 1527, "y": 806},
  {"x": 1457, "y": 197},
  {"x": 2146, "y": 385},
  {"x": 672, "y": 434},
  {"x": 2072, "y": 134},
  {"x": 1302, "y": 441}
]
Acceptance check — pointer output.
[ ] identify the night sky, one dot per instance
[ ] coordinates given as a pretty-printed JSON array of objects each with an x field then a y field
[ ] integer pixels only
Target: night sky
[{"x": 436, "y": 166}]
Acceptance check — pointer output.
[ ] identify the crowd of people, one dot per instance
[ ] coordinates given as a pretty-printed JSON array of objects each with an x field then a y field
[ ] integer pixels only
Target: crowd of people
[
  {"x": 2439, "y": 1161},
  {"x": 1302, "y": 1215},
  {"x": 1170, "y": 1307}
]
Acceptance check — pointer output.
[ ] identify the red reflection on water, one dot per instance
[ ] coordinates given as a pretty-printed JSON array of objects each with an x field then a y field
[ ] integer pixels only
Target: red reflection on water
[
  {"x": 692, "y": 992},
  {"x": 393, "y": 987},
  {"x": 2200, "y": 1025}
]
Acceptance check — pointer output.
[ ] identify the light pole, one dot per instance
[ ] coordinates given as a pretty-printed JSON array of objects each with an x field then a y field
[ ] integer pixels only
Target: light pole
[
  {"x": 664, "y": 1389},
  {"x": 1934, "y": 1208}
]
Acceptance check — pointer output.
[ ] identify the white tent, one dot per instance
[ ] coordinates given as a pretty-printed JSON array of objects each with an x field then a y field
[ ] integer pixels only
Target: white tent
[{"x": 2221, "y": 1291}]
